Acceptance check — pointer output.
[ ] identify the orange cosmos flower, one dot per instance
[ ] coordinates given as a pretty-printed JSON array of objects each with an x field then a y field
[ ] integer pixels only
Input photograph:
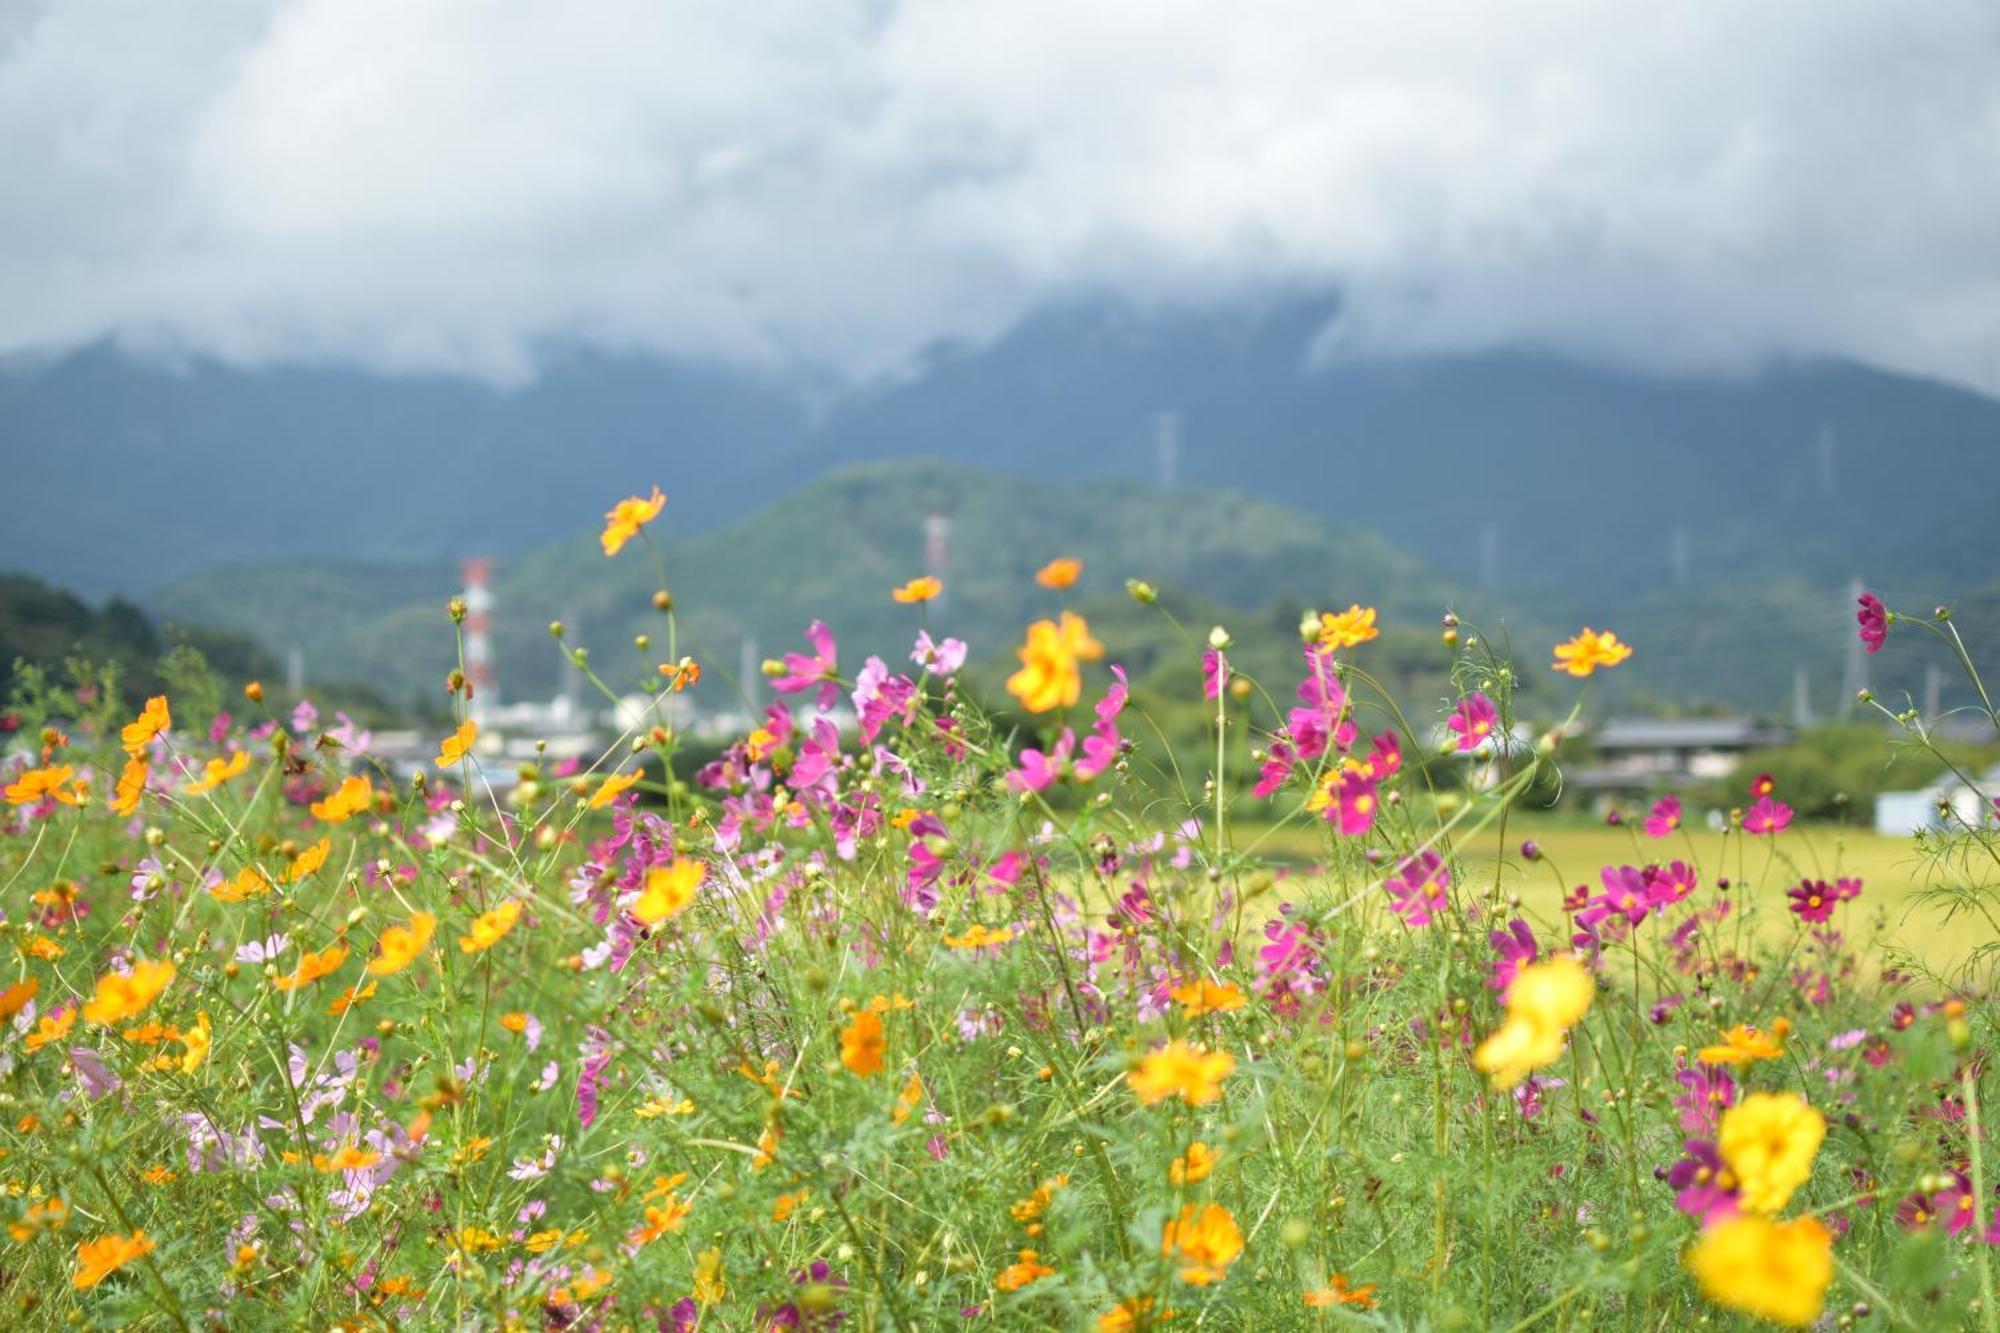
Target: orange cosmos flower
[
  {"x": 43, "y": 783},
  {"x": 15, "y": 998},
  {"x": 862, "y": 1045},
  {"x": 489, "y": 928},
  {"x": 1590, "y": 650},
  {"x": 51, "y": 1214},
  {"x": 355, "y": 795},
  {"x": 312, "y": 967},
  {"x": 457, "y": 745},
  {"x": 1193, "y": 1166},
  {"x": 1204, "y": 1240},
  {"x": 1061, "y": 572},
  {"x": 153, "y": 720},
  {"x": 218, "y": 771},
  {"x": 51, "y": 1027},
  {"x": 1049, "y": 677},
  {"x": 127, "y": 995},
  {"x": 1180, "y": 1070},
  {"x": 610, "y": 789},
  {"x": 1202, "y": 996},
  {"x": 351, "y": 1157},
  {"x": 403, "y": 945},
  {"x": 1132, "y": 1315},
  {"x": 669, "y": 891},
  {"x": 1337, "y": 1292},
  {"x": 624, "y": 519},
  {"x": 248, "y": 884},
  {"x": 977, "y": 936},
  {"x": 920, "y": 589},
  {"x": 131, "y": 786},
  {"x": 1745, "y": 1045},
  {"x": 681, "y": 674},
  {"x": 348, "y": 998},
  {"x": 98, "y": 1259},
  {"x": 307, "y": 861},
  {"x": 1349, "y": 628},
  {"x": 1029, "y": 1268}
]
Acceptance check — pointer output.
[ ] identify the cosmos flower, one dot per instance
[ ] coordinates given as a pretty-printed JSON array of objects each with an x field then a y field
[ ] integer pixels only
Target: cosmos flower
[
  {"x": 39, "y": 784},
  {"x": 1204, "y": 1240},
  {"x": 1546, "y": 1000},
  {"x": 1049, "y": 677},
  {"x": 862, "y": 1044},
  {"x": 1769, "y": 1141},
  {"x": 923, "y": 588},
  {"x": 489, "y": 928},
  {"x": 353, "y": 796},
  {"x": 1813, "y": 900},
  {"x": 402, "y": 945},
  {"x": 1473, "y": 721},
  {"x": 1773, "y": 1270},
  {"x": 457, "y": 746},
  {"x": 1665, "y": 817},
  {"x": 1347, "y": 629},
  {"x": 1061, "y": 572},
  {"x": 1180, "y": 1070},
  {"x": 1417, "y": 889},
  {"x": 1767, "y": 817},
  {"x": 799, "y": 673},
  {"x": 123, "y": 995},
  {"x": 98, "y": 1259},
  {"x": 1745, "y": 1045},
  {"x": 153, "y": 720},
  {"x": 669, "y": 890},
  {"x": 1590, "y": 650},
  {"x": 313, "y": 967},
  {"x": 624, "y": 519},
  {"x": 613, "y": 787},
  {"x": 1873, "y": 618}
]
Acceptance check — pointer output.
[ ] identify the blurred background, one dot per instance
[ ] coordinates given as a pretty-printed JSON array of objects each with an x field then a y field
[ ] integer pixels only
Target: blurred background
[{"x": 316, "y": 312}]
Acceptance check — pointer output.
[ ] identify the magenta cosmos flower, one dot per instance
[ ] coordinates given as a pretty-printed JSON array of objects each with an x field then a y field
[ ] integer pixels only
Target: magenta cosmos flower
[
  {"x": 1874, "y": 620},
  {"x": 1473, "y": 722},
  {"x": 1769, "y": 815},
  {"x": 1813, "y": 899},
  {"x": 1666, "y": 817},
  {"x": 1417, "y": 891},
  {"x": 822, "y": 669}
]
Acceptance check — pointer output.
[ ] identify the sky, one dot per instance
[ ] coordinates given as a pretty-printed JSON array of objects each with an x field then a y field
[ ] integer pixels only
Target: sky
[{"x": 828, "y": 186}]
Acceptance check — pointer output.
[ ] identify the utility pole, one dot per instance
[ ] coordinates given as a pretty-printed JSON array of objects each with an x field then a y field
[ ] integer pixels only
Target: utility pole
[
  {"x": 1854, "y": 678},
  {"x": 1802, "y": 716},
  {"x": 1933, "y": 689},
  {"x": 1167, "y": 448}
]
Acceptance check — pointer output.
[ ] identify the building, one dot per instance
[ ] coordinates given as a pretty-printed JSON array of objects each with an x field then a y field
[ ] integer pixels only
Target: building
[
  {"x": 1641, "y": 755},
  {"x": 1906, "y": 813}
]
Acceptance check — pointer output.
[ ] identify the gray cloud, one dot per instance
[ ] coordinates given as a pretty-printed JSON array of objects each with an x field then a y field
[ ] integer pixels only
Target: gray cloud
[{"x": 830, "y": 184}]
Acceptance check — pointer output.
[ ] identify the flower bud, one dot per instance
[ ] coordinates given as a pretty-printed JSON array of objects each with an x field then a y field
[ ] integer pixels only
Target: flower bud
[
  {"x": 663, "y": 600},
  {"x": 1141, "y": 592},
  {"x": 1218, "y": 638},
  {"x": 254, "y": 692},
  {"x": 455, "y": 608}
]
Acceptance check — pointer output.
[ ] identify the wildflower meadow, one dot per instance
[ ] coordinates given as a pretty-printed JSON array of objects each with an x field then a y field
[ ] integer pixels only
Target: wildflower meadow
[{"x": 931, "y": 1006}]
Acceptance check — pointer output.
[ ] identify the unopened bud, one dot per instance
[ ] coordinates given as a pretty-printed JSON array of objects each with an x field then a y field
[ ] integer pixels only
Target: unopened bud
[
  {"x": 455, "y": 608},
  {"x": 663, "y": 600},
  {"x": 254, "y": 692},
  {"x": 1141, "y": 592}
]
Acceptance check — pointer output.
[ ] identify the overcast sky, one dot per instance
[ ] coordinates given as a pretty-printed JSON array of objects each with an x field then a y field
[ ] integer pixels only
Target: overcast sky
[{"x": 452, "y": 184}]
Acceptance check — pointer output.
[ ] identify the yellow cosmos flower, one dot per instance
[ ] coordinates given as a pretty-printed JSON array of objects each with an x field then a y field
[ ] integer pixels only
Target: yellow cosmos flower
[
  {"x": 50, "y": 1027},
  {"x": 457, "y": 745},
  {"x": 1745, "y": 1045},
  {"x": 402, "y": 945},
  {"x": 1130, "y": 1316},
  {"x": 347, "y": 999},
  {"x": 862, "y": 1045},
  {"x": 669, "y": 891},
  {"x": 1349, "y": 628},
  {"x": 198, "y": 1040},
  {"x": 127, "y": 995},
  {"x": 977, "y": 936},
  {"x": 624, "y": 519},
  {"x": 218, "y": 771},
  {"x": 489, "y": 928},
  {"x": 1204, "y": 1240},
  {"x": 351, "y": 1157},
  {"x": 355, "y": 795},
  {"x": 249, "y": 883},
  {"x": 1180, "y": 1070},
  {"x": 1202, "y": 996},
  {"x": 709, "y": 1288},
  {"x": 1049, "y": 677},
  {"x": 313, "y": 967},
  {"x": 43, "y": 783},
  {"x": 1547, "y": 1000},
  {"x": 920, "y": 589},
  {"x": 1059, "y": 573},
  {"x": 152, "y": 721},
  {"x": 100, "y": 1258},
  {"x": 1193, "y": 1166},
  {"x": 131, "y": 786},
  {"x": 612, "y": 787},
  {"x": 309, "y": 860},
  {"x": 1769, "y": 1141},
  {"x": 1590, "y": 650},
  {"x": 1773, "y": 1270}
]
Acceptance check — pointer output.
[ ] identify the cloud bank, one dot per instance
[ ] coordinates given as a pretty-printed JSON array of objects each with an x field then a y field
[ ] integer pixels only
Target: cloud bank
[{"x": 829, "y": 185}]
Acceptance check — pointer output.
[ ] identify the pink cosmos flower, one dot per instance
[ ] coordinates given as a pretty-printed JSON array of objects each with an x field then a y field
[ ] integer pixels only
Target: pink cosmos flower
[
  {"x": 1417, "y": 890},
  {"x": 1473, "y": 722},
  {"x": 1874, "y": 620},
  {"x": 940, "y": 659},
  {"x": 1767, "y": 817},
  {"x": 1666, "y": 817},
  {"x": 1354, "y": 804},
  {"x": 1277, "y": 766},
  {"x": 822, "y": 669},
  {"x": 1214, "y": 674},
  {"x": 1706, "y": 1092},
  {"x": 1670, "y": 883},
  {"x": 1038, "y": 771},
  {"x": 1514, "y": 947},
  {"x": 1698, "y": 1179},
  {"x": 1626, "y": 893}
]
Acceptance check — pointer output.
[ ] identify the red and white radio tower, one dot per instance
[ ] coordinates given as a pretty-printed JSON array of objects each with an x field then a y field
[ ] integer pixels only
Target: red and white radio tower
[{"x": 478, "y": 636}]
